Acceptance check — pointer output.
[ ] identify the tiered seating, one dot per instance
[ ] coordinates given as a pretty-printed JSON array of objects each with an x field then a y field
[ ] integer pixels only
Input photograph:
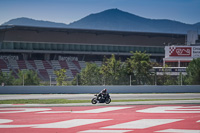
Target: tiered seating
[
  {"x": 77, "y": 64},
  {"x": 63, "y": 65},
  {"x": 56, "y": 64},
  {"x": 31, "y": 64},
  {"x": 5, "y": 70},
  {"x": 44, "y": 68},
  {"x": 82, "y": 64},
  {"x": 46, "y": 65},
  {"x": 13, "y": 64},
  {"x": 44, "y": 73},
  {"x": 3, "y": 64},
  {"x": 70, "y": 65},
  {"x": 74, "y": 72},
  {"x": 51, "y": 73},
  {"x": 39, "y": 64},
  {"x": 69, "y": 74},
  {"x": 21, "y": 64}
]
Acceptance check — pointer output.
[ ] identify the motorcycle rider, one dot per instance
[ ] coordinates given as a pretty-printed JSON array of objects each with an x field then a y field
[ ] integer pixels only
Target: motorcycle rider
[
  {"x": 102, "y": 94},
  {"x": 102, "y": 97}
]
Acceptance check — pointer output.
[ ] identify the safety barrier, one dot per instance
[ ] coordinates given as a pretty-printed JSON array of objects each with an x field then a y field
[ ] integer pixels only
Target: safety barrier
[{"x": 96, "y": 89}]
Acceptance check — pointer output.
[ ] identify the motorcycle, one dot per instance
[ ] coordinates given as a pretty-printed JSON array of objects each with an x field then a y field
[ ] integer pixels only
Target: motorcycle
[{"x": 101, "y": 99}]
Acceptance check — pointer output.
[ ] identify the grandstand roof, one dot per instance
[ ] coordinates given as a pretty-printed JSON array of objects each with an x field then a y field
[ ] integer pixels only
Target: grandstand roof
[
  {"x": 88, "y": 36},
  {"x": 93, "y": 31}
]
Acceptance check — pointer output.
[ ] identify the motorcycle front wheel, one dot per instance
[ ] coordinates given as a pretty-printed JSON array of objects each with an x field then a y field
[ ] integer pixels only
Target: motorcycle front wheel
[
  {"x": 108, "y": 100},
  {"x": 94, "y": 101}
]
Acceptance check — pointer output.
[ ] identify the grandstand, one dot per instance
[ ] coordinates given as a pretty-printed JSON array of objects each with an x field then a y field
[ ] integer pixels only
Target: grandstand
[{"x": 47, "y": 49}]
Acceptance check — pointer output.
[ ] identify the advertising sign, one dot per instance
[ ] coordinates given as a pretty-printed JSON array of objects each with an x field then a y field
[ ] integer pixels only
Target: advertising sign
[
  {"x": 196, "y": 51},
  {"x": 182, "y": 51}
]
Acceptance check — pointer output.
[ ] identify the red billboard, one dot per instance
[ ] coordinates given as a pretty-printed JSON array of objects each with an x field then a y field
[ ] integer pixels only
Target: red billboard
[{"x": 180, "y": 51}]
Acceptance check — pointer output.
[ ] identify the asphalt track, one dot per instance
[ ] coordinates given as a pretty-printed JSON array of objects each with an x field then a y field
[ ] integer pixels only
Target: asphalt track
[
  {"x": 113, "y": 96},
  {"x": 174, "y": 116},
  {"x": 180, "y": 118}
]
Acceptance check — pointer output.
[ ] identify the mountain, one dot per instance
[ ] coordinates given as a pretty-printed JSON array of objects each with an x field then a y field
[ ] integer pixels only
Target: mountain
[
  {"x": 115, "y": 19},
  {"x": 31, "y": 22}
]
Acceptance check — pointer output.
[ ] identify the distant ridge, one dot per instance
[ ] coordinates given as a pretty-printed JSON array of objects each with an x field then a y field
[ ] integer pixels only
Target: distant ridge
[
  {"x": 31, "y": 22},
  {"x": 114, "y": 19}
]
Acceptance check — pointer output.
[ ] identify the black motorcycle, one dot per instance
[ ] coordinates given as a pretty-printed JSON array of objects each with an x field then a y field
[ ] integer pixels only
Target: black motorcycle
[{"x": 101, "y": 99}]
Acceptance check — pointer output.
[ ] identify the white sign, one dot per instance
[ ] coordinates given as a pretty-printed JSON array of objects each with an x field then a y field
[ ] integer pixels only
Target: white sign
[{"x": 196, "y": 51}]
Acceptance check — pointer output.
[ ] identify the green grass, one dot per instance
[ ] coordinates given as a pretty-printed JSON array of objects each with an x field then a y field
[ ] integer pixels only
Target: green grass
[
  {"x": 66, "y": 101},
  {"x": 136, "y": 100},
  {"x": 42, "y": 101}
]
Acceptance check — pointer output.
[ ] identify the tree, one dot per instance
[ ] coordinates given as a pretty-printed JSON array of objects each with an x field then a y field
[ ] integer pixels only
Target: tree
[
  {"x": 6, "y": 78},
  {"x": 60, "y": 76},
  {"x": 90, "y": 75},
  {"x": 111, "y": 70},
  {"x": 139, "y": 64},
  {"x": 193, "y": 72},
  {"x": 29, "y": 77}
]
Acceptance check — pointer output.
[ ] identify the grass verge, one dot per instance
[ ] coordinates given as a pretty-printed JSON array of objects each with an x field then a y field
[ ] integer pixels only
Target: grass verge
[{"x": 66, "y": 101}]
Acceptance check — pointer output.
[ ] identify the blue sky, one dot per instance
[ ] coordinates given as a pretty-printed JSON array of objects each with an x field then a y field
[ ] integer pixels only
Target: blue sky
[{"x": 67, "y": 11}]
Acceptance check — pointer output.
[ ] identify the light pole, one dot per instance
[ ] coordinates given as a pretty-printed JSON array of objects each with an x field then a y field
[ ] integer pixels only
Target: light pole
[
  {"x": 50, "y": 80},
  {"x": 155, "y": 78},
  {"x": 181, "y": 78},
  {"x": 23, "y": 79}
]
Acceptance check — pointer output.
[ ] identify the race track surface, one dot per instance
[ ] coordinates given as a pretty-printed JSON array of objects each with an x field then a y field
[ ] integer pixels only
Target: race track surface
[
  {"x": 181, "y": 118},
  {"x": 90, "y": 96}
]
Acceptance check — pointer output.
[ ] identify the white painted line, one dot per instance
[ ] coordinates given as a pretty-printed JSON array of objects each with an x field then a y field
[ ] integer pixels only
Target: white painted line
[
  {"x": 15, "y": 126},
  {"x": 198, "y": 121},
  {"x": 5, "y": 121},
  {"x": 101, "y": 110},
  {"x": 143, "y": 123},
  {"x": 179, "y": 131},
  {"x": 105, "y": 131},
  {"x": 21, "y": 110},
  {"x": 70, "y": 123},
  {"x": 171, "y": 109},
  {"x": 54, "y": 112},
  {"x": 62, "y": 124}
]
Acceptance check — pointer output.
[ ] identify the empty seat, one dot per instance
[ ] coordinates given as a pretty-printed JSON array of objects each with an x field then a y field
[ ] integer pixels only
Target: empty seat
[
  {"x": 3, "y": 64},
  {"x": 63, "y": 65},
  {"x": 44, "y": 74},
  {"x": 21, "y": 64},
  {"x": 46, "y": 65}
]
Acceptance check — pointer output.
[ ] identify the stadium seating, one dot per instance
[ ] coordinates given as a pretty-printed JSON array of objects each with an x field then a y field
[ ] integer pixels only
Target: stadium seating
[
  {"x": 46, "y": 64},
  {"x": 56, "y": 64},
  {"x": 31, "y": 64},
  {"x": 82, "y": 64},
  {"x": 63, "y": 65},
  {"x": 21, "y": 64},
  {"x": 44, "y": 68},
  {"x": 44, "y": 74},
  {"x": 3, "y": 64}
]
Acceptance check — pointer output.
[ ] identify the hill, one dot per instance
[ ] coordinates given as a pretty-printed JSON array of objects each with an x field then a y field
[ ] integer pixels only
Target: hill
[
  {"x": 114, "y": 19},
  {"x": 31, "y": 22}
]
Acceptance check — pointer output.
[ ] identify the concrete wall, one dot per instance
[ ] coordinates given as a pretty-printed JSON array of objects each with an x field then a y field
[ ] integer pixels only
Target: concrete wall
[{"x": 96, "y": 89}]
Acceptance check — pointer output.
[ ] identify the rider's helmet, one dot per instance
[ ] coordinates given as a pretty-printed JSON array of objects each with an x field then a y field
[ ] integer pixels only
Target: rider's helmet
[{"x": 104, "y": 90}]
